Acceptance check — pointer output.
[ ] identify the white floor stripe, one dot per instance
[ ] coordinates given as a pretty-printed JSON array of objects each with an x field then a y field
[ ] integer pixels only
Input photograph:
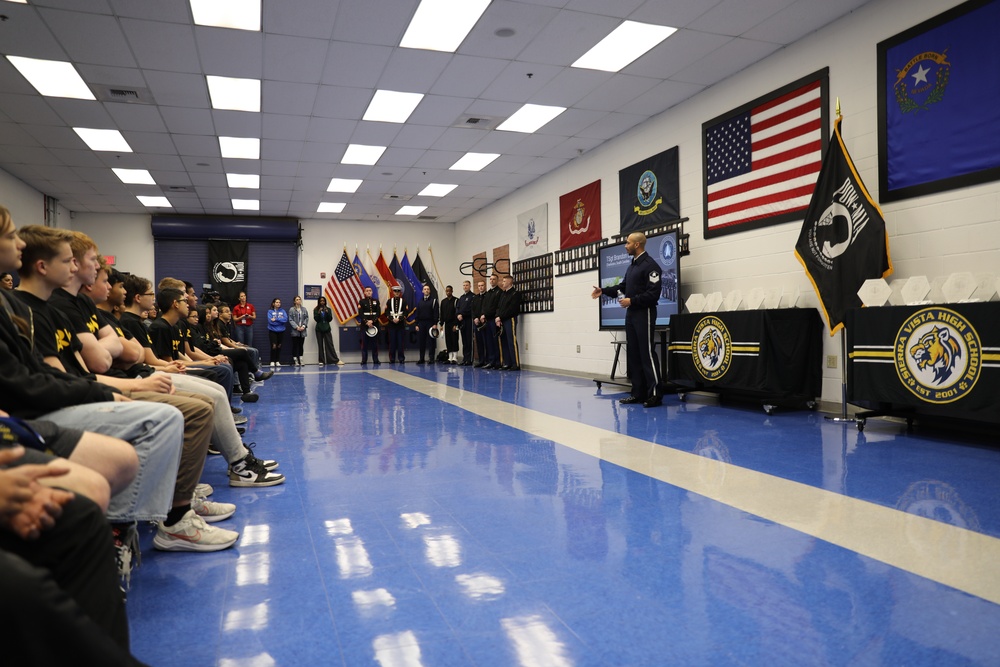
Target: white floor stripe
[{"x": 947, "y": 554}]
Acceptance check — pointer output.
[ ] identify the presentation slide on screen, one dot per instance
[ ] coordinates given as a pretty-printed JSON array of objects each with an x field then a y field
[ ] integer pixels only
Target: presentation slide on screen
[{"x": 614, "y": 261}]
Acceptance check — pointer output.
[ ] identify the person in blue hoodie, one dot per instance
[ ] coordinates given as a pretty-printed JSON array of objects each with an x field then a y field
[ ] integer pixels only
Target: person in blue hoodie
[{"x": 277, "y": 322}]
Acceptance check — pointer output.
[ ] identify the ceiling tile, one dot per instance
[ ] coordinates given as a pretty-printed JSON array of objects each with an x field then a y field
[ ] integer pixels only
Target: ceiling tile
[
  {"x": 373, "y": 21},
  {"x": 726, "y": 61},
  {"x": 187, "y": 121},
  {"x": 350, "y": 64},
  {"x": 236, "y": 53},
  {"x": 735, "y": 17},
  {"x": 292, "y": 99},
  {"x": 89, "y": 38},
  {"x": 165, "y": 47},
  {"x": 305, "y": 18},
  {"x": 294, "y": 59},
  {"x": 136, "y": 117}
]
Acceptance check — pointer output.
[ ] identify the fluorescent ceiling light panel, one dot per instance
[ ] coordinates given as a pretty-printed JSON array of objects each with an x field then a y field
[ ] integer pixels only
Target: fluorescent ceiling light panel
[
  {"x": 344, "y": 185},
  {"x": 437, "y": 190},
  {"x": 134, "y": 176},
  {"x": 625, "y": 43},
  {"x": 246, "y": 204},
  {"x": 243, "y": 181},
  {"x": 235, "y": 14},
  {"x": 153, "y": 201},
  {"x": 233, "y": 94},
  {"x": 411, "y": 210},
  {"x": 103, "y": 140},
  {"x": 441, "y": 25},
  {"x": 389, "y": 106},
  {"x": 52, "y": 78},
  {"x": 474, "y": 161},
  {"x": 530, "y": 117},
  {"x": 331, "y": 207},
  {"x": 240, "y": 147},
  {"x": 360, "y": 154}
]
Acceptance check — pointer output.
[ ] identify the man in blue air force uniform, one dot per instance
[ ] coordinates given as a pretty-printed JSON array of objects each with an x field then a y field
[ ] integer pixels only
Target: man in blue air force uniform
[{"x": 641, "y": 287}]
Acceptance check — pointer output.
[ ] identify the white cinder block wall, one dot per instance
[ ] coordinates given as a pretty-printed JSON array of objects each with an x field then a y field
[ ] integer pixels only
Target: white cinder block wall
[
  {"x": 957, "y": 230},
  {"x": 934, "y": 235}
]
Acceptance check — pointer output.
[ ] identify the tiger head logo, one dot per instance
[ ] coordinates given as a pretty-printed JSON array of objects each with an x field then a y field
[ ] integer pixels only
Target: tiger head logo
[
  {"x": 937, "y": 351},
  {"x": 709, "y": 347}
]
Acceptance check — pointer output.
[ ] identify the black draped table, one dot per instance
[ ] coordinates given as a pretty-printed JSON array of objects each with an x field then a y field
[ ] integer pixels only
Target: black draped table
[
  {"x": 774, "y": 355},
  {"x": 935, "y": 361}
]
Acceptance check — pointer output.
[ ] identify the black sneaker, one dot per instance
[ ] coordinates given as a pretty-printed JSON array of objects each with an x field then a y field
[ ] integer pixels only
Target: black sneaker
[
  {"x": 248, "y": 472},
  {"x": 266, "y": 375},
  {"x": 250, "y": 397},
  {"x": 267, "y": 463}
]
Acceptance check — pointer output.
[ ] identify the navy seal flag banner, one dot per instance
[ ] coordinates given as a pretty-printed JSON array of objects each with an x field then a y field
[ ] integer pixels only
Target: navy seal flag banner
[
  {"x": 762, "y": 159},
  {"x": 229, "y": 260},
  {"x": 649, "y": 192},
  {"x": 533, "y": 232},
  {"x": 843, "y": 241},
  {"x": 580, "y": 216}
]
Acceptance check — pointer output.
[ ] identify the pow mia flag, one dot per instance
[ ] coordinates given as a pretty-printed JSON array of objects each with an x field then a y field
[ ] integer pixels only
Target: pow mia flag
[
  {"x": 843, "y": 241},
  {"x": 227, "y": 260}
]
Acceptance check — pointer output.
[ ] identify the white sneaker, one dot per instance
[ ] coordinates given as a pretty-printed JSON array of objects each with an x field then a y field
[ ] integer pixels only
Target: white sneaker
[
  {"x": 340, "y": 363},
  {"x": 191, "y": 533},
  {"x": 211, "y": 511},
  {"x": 204, "y": 490}
]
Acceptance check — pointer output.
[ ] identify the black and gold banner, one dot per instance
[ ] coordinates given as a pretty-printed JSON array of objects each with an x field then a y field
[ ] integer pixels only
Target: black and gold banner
[
  {"x": 936, "y": 360},
  {"x": 776, "y": 353}
]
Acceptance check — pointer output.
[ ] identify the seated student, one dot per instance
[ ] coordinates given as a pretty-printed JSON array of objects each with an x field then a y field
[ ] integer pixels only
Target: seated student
[
  {"x": 61, "y": 600},
  {"x": 56, "y": 338},
  {"x": 250, "y": 471},
  {"x": 222, "y": 329},
  {"x": 216, "y": 368},
  {"x": 30, "y": 389},
  {"x": 199, "y": 321},
  {"x": 166, "y": 340}
]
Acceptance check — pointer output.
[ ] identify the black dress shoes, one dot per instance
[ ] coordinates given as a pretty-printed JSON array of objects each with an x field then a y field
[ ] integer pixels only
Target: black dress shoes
[
  {"x": 652, "y": 402},
  {"x": 630, "y": 400}
]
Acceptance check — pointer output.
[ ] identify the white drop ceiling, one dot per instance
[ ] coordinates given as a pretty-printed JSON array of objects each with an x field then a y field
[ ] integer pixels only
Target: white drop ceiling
[{"x": 320, "y": 62}]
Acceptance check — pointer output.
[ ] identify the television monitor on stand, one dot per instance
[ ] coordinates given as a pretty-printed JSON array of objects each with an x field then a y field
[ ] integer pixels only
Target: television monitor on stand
[{"x": 613, "y": 261}]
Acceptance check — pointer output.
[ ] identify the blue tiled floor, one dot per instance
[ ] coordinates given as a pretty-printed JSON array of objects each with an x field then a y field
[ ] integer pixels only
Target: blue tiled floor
[{"x": 411, "y": 532}]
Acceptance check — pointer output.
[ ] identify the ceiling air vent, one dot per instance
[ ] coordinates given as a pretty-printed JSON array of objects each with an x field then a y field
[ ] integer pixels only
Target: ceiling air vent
[
  {"x": 106, "y": 93},
  {"x": 392, "y": 197},
  {"x": 478, "y": 122},
  {"x": 427, "y": 217}
]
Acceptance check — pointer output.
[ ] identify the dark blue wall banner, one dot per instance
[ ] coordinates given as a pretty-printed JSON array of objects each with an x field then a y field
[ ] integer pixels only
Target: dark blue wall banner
[
  {"x": 939, "y": 103},
  {"x": 649, "y": 192}
]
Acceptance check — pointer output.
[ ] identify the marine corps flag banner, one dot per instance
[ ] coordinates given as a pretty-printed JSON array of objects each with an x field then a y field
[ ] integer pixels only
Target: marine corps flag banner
[
  {"x": 843, "y": 241},
  {"x": 649, "y": 192},
  {"x": 228, "y": 261},
  {"x": 580, "y": 216}
]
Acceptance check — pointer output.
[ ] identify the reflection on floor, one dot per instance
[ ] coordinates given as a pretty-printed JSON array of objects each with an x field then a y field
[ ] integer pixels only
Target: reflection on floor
[{"x": 442, "y": 515}]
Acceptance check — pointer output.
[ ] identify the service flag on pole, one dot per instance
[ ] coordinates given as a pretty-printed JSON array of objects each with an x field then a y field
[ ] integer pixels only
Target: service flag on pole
[
  {"x": 343, "y": 290},
  {"x": 843, "y": 241}
]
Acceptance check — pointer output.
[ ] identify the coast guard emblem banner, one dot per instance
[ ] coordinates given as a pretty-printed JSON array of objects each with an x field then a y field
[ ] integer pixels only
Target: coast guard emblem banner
[
  {"x": 649, "y": 192},
  {"x": 939, "y": 103}
]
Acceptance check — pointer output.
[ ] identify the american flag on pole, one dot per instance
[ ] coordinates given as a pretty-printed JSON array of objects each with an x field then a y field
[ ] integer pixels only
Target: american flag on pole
[
  {"x": 343, "y": 290},
  {"x": 762, "y": 160}
]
